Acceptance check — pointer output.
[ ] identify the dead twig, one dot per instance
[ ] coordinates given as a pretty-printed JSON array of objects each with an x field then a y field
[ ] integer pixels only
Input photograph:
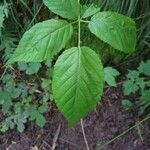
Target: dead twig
[
  {"x": 83, "y": 132},
  {"x": 69, "y": 142},
  {"x": 56, "y": 137},
  {"x": 47, "y": 144}
]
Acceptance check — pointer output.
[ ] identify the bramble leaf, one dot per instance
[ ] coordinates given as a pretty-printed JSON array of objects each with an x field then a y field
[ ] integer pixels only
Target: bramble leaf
[
  {"x": 144, "y": 68},
  {"x": 43, "y": 109},
  {"x": 127, "y": 104},
  {"x": 15, "y": 92},
  {"x": 133, "y": 75},
  {"x": 141, "y": 83},
  {"x": 130, "y": 87},
  {"x": 29, "y": 68},
  {"x": 42, "y": 41},
  {"x": 77, "y": 82},
  {"x": 115, "y": 29},
  {"x": 20, "y": 121},
  {"x": 5, "y": 100},
  {"x": 40, "y": 120},
  {"x": 110, "y": 74},
  {"x": 65, "y": 8}
]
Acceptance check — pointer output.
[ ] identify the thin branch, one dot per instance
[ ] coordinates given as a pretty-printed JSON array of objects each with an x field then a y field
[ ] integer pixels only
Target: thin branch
[
  {"x": 56, "y": 138},
  {"x": 83, "y": 132},
  {"x": 123, "y": 133},
  {"x": 69, "y": 142},
  {"x": 139, "y": 131},
  {"x": 85, "y": 21}
]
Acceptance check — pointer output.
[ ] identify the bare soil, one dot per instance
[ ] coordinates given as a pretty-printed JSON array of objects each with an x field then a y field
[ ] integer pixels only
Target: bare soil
[{"x": 100, "y": 126}]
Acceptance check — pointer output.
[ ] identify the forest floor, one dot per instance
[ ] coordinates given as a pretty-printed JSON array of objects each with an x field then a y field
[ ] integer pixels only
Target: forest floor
[{"x": 105, "y": 123}]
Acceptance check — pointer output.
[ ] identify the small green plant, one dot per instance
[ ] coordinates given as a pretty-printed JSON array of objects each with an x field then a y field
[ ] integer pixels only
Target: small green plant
[
  {"x": 18, "y": 106},
  {"x": 78, "y": 75},
  {"x": 110, "y": 75},
  {"x": 30, "y": 68},
  {"x": 127, "y": 104},
  {"x": 138, "y": 81}
]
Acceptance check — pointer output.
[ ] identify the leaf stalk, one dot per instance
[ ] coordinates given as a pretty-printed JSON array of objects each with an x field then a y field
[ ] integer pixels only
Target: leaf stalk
[{"x": 79, "y": 28}]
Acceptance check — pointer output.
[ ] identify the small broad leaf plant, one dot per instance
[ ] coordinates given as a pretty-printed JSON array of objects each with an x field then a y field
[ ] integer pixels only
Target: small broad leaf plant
[{"x": 78, "y": 76}]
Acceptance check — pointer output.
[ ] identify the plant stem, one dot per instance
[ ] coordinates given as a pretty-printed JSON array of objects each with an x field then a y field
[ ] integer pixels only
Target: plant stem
[
  {"x": 79, "y": 32},
  {"x": 85, "y": 21},
  {"x": 79, "y": 28},
  {"x": 139, "y": 131}
]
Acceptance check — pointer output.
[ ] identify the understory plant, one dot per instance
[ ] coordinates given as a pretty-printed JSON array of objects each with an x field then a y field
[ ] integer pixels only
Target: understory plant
[
  {"x": 16, "y": 100},
  {"x": 138, "y": 83},
  {"x": 78, "y": 75}
]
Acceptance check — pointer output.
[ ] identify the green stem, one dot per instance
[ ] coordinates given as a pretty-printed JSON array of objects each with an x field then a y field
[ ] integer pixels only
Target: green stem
[
  {"x": 79, "y": 32},
  {"x": 85, "y": 21},
  {"x": 79, "y": 28}
]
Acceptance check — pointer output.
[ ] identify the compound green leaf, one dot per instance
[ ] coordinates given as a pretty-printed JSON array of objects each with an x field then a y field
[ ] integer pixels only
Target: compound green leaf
[
  {"x": 77, "y": 82},
  {"x": 65, "y": 8},
  {"x": 42, "y": 41},
  {"x": 115, "y": 29}
]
